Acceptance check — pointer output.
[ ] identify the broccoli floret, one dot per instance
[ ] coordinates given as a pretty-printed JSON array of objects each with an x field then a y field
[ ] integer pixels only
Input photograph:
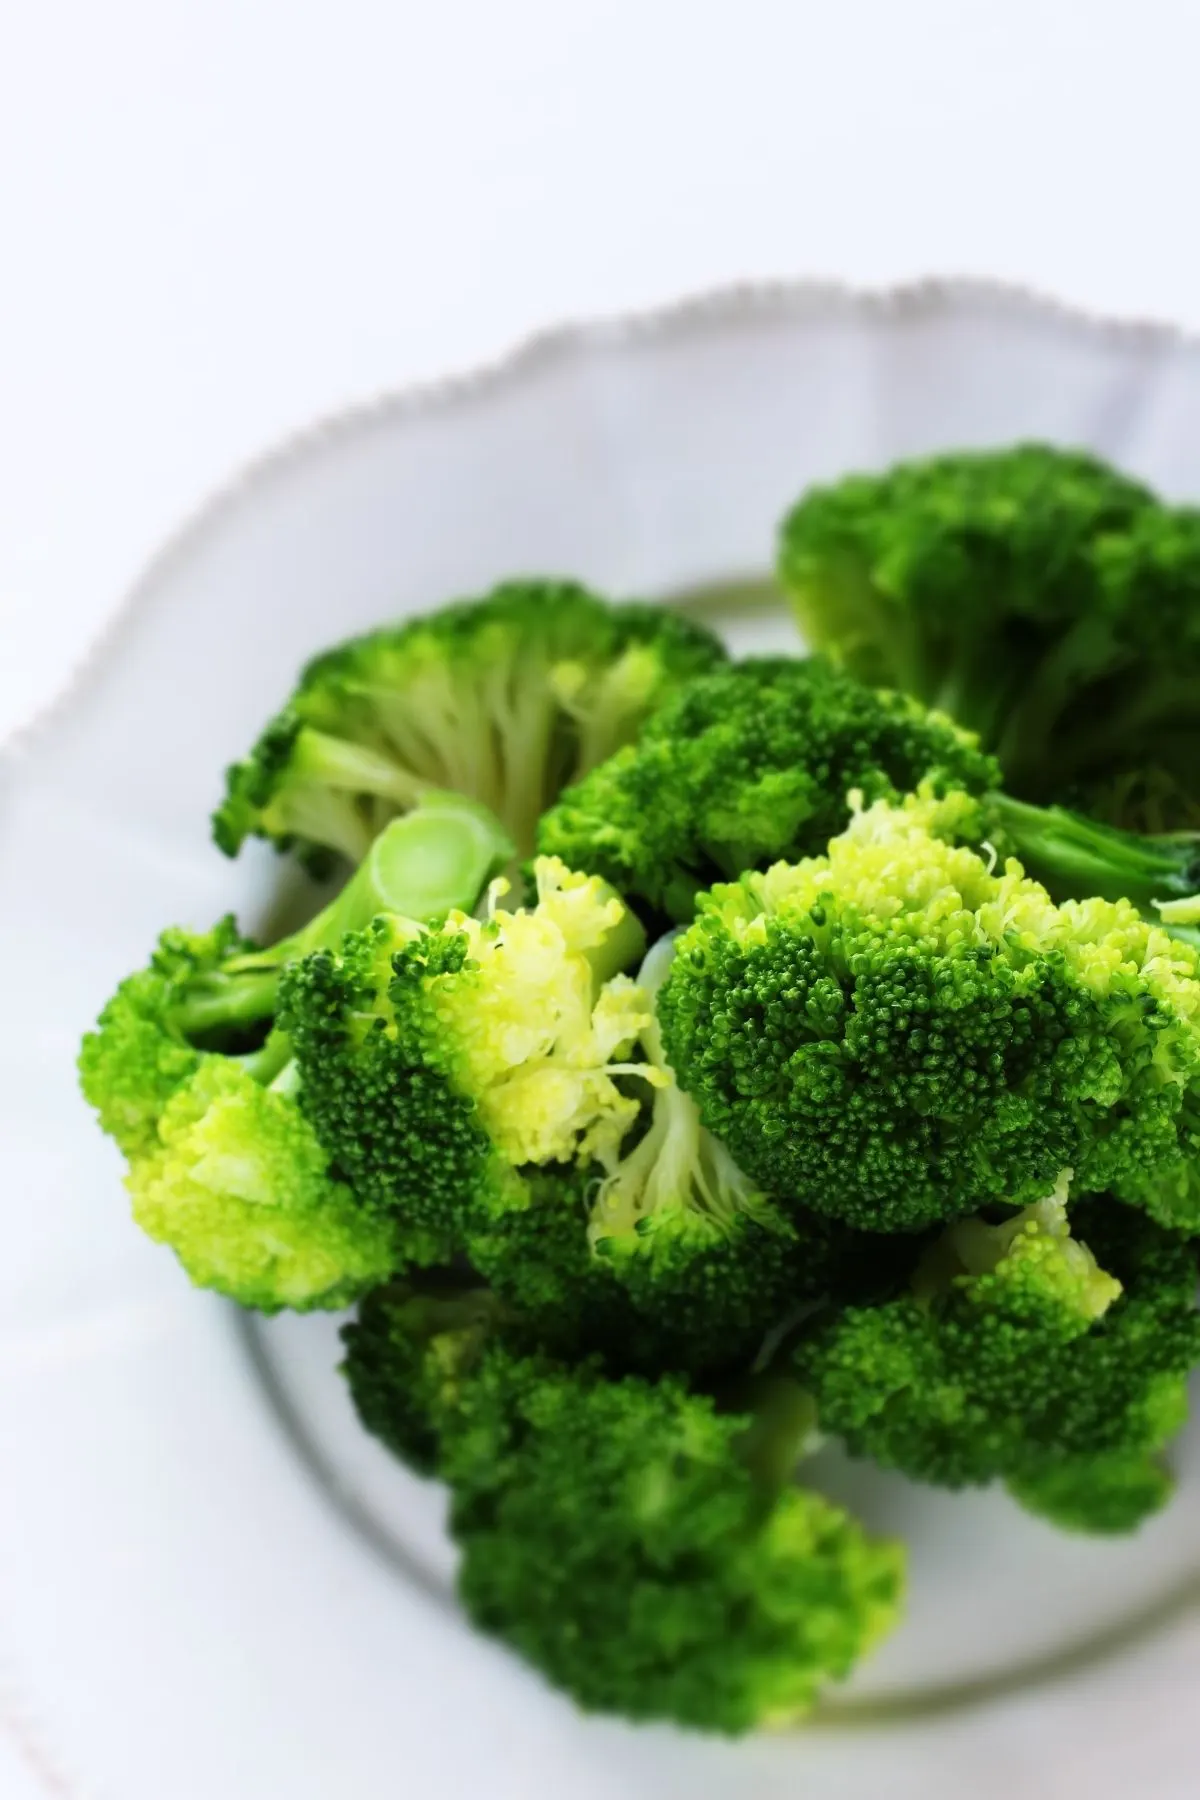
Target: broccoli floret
[
  {"x": 138, "y": 1055},
  {"x": 506, "y": 699},
  {"x": 637, "y": 1544},
  {"x": 1016, "y": 1356},
  {"x": 193, "y": 1078},
  {"x": 436, "y": 1064},
  {"x": 216, "y": 991},
  {"x": 1039, "y": 597},
  {"x": 896, "y": 1034},
  {"x": 696, "y": 1245},
  {"x": 1108, "y": 1495},
  {"x": 753, "y": 764},
  {"x": 746, "y": 766},
  {"x": 240, "y": 1189}
]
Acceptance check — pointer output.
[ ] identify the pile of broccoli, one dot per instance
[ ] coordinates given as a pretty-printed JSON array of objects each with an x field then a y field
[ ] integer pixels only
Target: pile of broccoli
[{"x": 704, "y": 1059}]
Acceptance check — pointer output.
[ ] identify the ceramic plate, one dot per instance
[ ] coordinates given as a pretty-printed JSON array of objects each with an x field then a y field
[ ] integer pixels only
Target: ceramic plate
[{"x": 211, "y": 1584}]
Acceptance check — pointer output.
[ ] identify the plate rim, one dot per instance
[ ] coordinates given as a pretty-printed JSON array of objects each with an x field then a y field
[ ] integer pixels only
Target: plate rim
[{"x": 794, "y": 298}]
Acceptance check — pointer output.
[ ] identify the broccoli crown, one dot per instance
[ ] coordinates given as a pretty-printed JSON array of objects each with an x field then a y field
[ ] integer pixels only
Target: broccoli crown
[
  {"x": 708, "y": 1263},
  {"x": 408, "y": 1354},
  {"x": 434, "y": 1064},
  {"x": 504, "y": 699},
  {"x": 1039, "y": 597},
  {"x": 747, "y": 765},
  {"x": 139, "y": 1055},
  {"x": 240, "y": 1189},
  {"x": 1016, "y": 1355},
  {"x": 619, "y": 1533},
  {"x": 1107, "y": 1495},
  {"x": 897, "y": 1034}
]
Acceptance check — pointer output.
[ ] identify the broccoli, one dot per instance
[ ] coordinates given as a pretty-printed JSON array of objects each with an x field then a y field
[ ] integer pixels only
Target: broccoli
[
  {"x": 697, "y": 1247},
  {"x": 436, "y": 1064},
  {"x": 752, "y": 764},
  {"x": 194, "y": 1082},
  {"x": 1016, "y": 1356},
  {"x": 1040, "y": 598},
  {"x": 896, "y": 1034},
  {"x": 637, "y": 1542},
  {"x": 505, "y": 699},
  {"x": 239, "y": 1187},
  {"x": 743, "y": 766}
]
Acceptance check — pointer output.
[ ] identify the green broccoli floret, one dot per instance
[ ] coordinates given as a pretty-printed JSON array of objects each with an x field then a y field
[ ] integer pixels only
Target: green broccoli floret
[
  {"x": 506, "y": 699},
  {"x": 193, "y": 1079},
  {"x": 896, "y": 1034},
  {"x": 748, "y": 765},
  {"x": 753, "y": 764},
  {"x": 640, "y": 1546},
  {"x": 436, "y": 1064},
  {"x": 1039, "y": 597},
  {"x": 1016, "y": 1356},
  {"x": 709, "y": 1262}
]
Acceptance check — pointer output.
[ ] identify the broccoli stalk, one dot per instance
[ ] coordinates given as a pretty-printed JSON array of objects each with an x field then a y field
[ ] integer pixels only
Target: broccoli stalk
[
  {"x": 421, "y": 866},
  {"x": 1074, "y": 857},
  {"x": 639, "y": 1542}
]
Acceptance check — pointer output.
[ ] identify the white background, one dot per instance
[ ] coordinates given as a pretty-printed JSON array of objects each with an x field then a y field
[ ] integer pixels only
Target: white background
[{"x": 219, "y": 218}]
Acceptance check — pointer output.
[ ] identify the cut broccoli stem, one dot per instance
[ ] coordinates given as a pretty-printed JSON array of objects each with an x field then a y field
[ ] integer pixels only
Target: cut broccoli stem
[
  {"x": 423, "y": 865},
  {"x": 1074, "y": 857}
]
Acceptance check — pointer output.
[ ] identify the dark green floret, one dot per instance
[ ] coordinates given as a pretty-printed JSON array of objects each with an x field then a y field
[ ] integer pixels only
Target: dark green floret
[
  {"x": 756, "y": 763},
  {"x": 506, "y": 699},
  {"x": 1051, "y": 1354},
  {"x": 747, "y": 766},
  {"x": 640, "y": 1545},
  {"x": 1039, "y": 597}
]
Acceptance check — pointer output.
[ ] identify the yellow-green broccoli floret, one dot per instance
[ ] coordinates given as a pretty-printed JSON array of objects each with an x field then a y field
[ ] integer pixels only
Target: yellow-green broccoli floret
[
  {"x": 192, "y": 1076},
  {"x": 505, "y": 699},
  {"x": 641, "y": 1545},
  {"x": 897, "y": 1033},
  {"x": 239, "y": 1187}
]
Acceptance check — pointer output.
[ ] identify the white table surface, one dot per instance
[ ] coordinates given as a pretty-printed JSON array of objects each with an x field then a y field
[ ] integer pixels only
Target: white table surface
[{"x": 220, "y": 218}]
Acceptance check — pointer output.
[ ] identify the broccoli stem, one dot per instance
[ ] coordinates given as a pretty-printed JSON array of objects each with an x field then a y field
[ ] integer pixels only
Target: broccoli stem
[
  {"x": 783, "y": 1428},
  {"x": 335, "y": 762},
  {"x": 1074, "y": 857},
  {"x": 421, "y": 866}
]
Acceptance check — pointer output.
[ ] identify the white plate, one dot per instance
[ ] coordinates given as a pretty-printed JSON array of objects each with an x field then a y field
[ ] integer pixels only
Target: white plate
[{"x": 210, "y": 1584}]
